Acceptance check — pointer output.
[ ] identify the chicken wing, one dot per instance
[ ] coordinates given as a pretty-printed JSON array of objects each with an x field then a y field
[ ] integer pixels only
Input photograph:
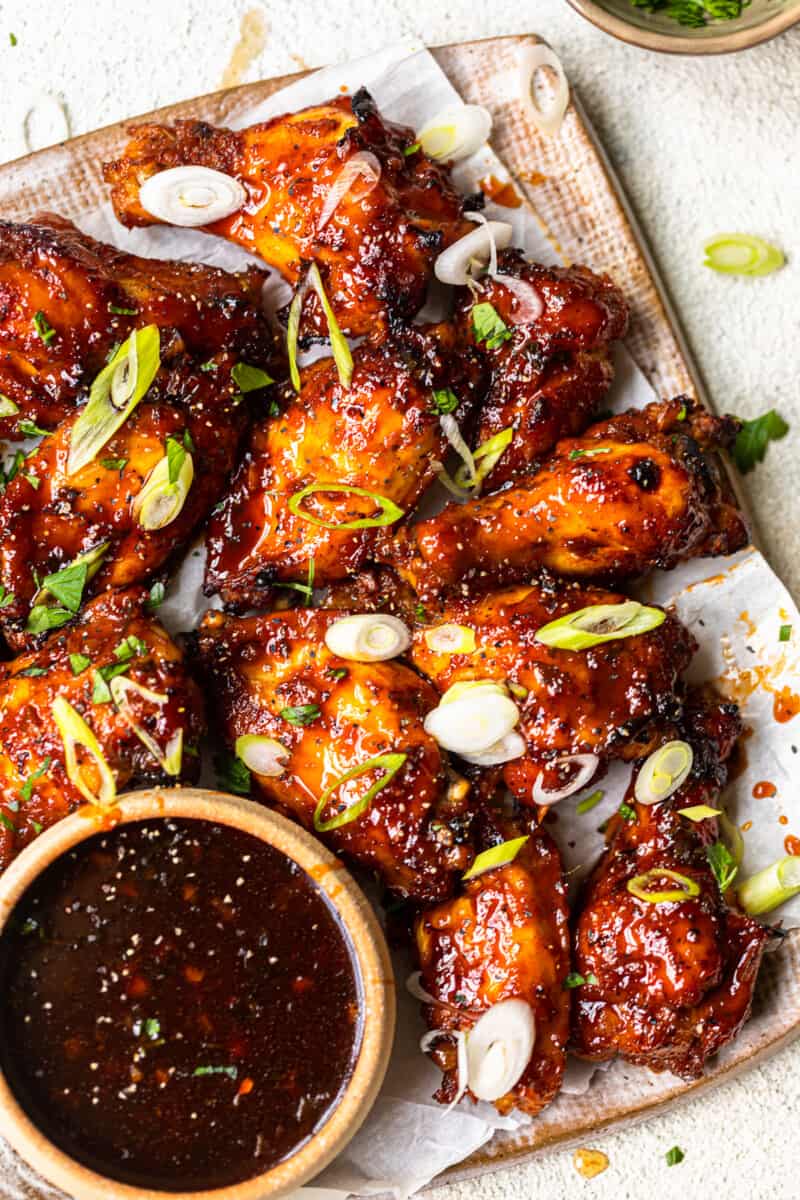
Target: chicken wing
[
  {"x": 49, "y": 518},
  {"x": 375, "y": 248},
  {"x": 644, "y": 489},
  {"x": 273, "y": 676},
  {"x": 667, "y": 982},
  {"x": 381, "y": 435},
  {"x": 613, "y": 700},
  {"x": 504, "y": 937},
  {"x": 550, "y": 372},
  {"x": 66, "y": 300},
  {"x": 147, "y": 729}
]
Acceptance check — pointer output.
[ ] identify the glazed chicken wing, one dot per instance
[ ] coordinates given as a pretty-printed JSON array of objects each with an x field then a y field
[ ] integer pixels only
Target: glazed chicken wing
[
  {"x": 374, "y": 247},
  {"x": 612, "y": 700},
  {"x": 504, "y": 937},
  {"x": 273, "y": 676},
  {"x": 674, "y": 977},
  {"x": 381, "y": 435},
  {"x": 66, "y": 300},
  {"x": 644, "y": 489},
  {"x": 552, "y": 370},
  {"x": 49, "y": 518},
  {"x": 147, "y": 725}
]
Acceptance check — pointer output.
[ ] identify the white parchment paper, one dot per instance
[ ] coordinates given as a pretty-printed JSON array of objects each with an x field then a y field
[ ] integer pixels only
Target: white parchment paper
[{"x": 735, "y": 608}]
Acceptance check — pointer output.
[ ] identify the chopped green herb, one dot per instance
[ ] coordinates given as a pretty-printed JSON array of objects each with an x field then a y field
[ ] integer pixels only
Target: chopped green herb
[
  {"x": 682, "y": 413},
  {"x": 5, "y": 820},
  {"x": 575, "y": 980},
  {"x": 42, "y": 618},
  {"x": 232, "y": 774},
  {"x": 101, "y": 693},
  {"x": 231, "y": 1072},
  {"x": 33, "y": 671},
  {"x": 152, "y": 1027},
  {"x": 12, "y": 37},
  {"x": 176, "y": 457},
  {"x": 33, "y": 480},
  {"x": 129, "y": 647},
  {"x": 338, "y": 672},
  {"x": 43, "y": 327},
  {"x": 123, "y": 312},
  {"x": 301, "y": 714},
  {"x": 589, "y": 802},
  {"x": 785, "y": 633},
  {"x": 488, "y": 326},
  {"x": 78, "y": 663},
  {"x": 36, "y": 827},
  {"x": 755, "y": 436},
  {"x": 67, "y": 585},
  {"x": 674, "y": 1156},
  {"x": 445, "y": 400},
  {"x": 188, "y": 441},
  {"x": 114, "y": 464},
  {"x": 156, "y": 597},
  {"x": 209, "y": 366},
  {"x": 419, "y": 612},
  {"x": 30, "y": 429},
  {"x": 7, "y": 406},
  {"x": 7, "y": 597},
  {"x": 250, "y": 379},
  {"x": 723, "y": 864},
  {"x": 627, "y": 812},
  {"x": 26, "y": 791},
  {"x": 409, "y": 150},
  {"x": 274, "y": 409}
]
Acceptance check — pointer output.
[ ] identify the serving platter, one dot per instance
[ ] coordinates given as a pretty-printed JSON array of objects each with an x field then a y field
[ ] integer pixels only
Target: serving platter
[{"x": 570, "y": 186}]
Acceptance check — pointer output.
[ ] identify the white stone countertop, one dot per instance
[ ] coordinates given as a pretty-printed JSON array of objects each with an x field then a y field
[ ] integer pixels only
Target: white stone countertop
[{"x": 702, "y": 146}]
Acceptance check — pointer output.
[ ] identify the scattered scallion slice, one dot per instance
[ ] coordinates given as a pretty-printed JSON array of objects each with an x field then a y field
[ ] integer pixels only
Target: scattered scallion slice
[
  {"x": 74, "y": 733},
  {"x": 450, "y": 639},
  {"x": 674, "y": 1156},
  {"x": 390, "y": 763},
  {"x": 389, "y": 511},
  {"x": 495, "y": 857},
  {"x": 7, "y": 406},
  {"x": 699, "y": 812},
  {"x": 598, "y": 623},
  {"x": 262, "y": 755},
  {"x": 742, "y": 254},
  {"x": 341, "y": 350},
  {"x": 114, "y": 394},
  {"x": 771, "y": 887},
  {"x": 488, "y": 326},
  {"x": 78, "y": 663},
  {"x": 663, "y": 772},
  {"x": 486, "y": 456},
  {"x": 589, "y": 802},
  {"x": 639, "y": 886},
  {"x": 292, "y": 333},
  {"x": 164, "y": 493},
  {"x": 444, "y": 401},
  {"x": 300, "y": 714},
  {"x": 43, "y": 327}
]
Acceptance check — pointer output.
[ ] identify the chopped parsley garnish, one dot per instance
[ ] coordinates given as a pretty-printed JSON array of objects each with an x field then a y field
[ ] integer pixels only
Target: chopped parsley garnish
[
  {"x": 445, "y": 400},
  {"x": 231, "y": 1072},
  {"x": 6, "y": 820},
  {"x": 419, "y": 612},
  {"x": 41, "y": 618},
  {"x": 274, "y": 409},
  {"x": 12, "y": 37},
  {"x": 30, "y": 429},
  {"x": 250, "y": 379},
  {"x": 156, "y": 597},
  {"x": 150, "y": 1027},
  {"x": 7, "y": 597},
  {"x": 300, "y": 714},
  {"x": 43, "y": 327},
  {"x": 114, "y": 464},
  {"x": 78, "y": 663},
  {"x": 755, "y": 436},
  {"x": 208, "y": 366},
  {"x": 488, "y": 326},
  {"x": 26, "y": 791},
  {"x": 627, "y": 812},
  {"x": 694, "y": 14},
  {"x": 123, "y": 312},
  {"x": 723, "y": 864},
  {"x": 101, "y": 693},
  {"x": 589, "y": 802},
  {"x": 674, "y": 1156},
  {"x": 67, "y": 585},
  {"x": 338, "y": 672},
  {"x": 412, "y": 149},
  {"x": 232, "y": 774},
  {"x": 176, "y": 456},
  {"x": 574, "y": 980},
  {"x": 785, "y": 633},
  {"x": 129, "y": 647}
]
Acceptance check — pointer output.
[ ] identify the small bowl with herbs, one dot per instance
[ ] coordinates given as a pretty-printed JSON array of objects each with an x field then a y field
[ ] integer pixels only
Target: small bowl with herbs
[{"x": 691, "y": 26}]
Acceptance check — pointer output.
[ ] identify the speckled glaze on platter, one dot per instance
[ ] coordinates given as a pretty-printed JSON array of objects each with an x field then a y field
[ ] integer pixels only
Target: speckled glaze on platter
[{"x": 570, "y": 185}]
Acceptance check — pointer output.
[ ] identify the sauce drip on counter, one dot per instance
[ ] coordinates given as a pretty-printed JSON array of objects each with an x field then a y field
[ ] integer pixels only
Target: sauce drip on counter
[{"x": 179, "y": 1008}]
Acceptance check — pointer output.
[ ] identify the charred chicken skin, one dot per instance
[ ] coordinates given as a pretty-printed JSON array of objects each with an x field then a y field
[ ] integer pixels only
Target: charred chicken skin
[
  {"x": 381, "y": 435},
  {"x": 612, "y": 700},
  {"x": 644, "y": 489},
  {"x": 551, "y": 374},
  {"x": 504, "y": 937},
  {"x": 273, "y": 676},
  {"x": 66, "y": 300},
  {"x": 374, "y": 248},
  {"x": 114, "y": 639},
  {"x": 675, "y": 978}
]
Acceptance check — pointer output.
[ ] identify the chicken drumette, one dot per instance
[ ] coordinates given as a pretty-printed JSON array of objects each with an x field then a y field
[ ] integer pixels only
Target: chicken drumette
[
  {"x": 551, "y": 367},
  {"x": 123, "y": 677},
  {"x": 380, "y": 436},
  {"x": 374, "y": 239},
  {"x": 668, "y": 981},
  {"x": 644, "y": 489},
  {"x": 327, "y": 718},
  {"x": 504, "y": 937},
  {"x": 66, "y": 300}
]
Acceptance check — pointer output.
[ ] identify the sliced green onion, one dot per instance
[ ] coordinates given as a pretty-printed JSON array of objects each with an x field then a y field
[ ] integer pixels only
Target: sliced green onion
[
  {"x": 771, "y": 887},
  {"x": 723, "y": 864},
  {"x": 341, "y": 350},
  {"x": 488, "y": 326},
  {"x": 732, "y": 834},
  {"x": 494, "y": 857},
  {"x": 75, "y": 732},
  {"x": 7, "y": 406},
  {"x": 638, "y": 886},
  {"x": 300, "y": 714},
  {"x": 589, "y": 802},
  {"x": 488, "y": 454},
  {"x": 169, "y": 759},
  {"x": 457, "y": 690},
  {"x": 742, "y": 254},
  {"x": 262, "y": 755},
  {"x": 292, "y": 333},
  {"x": 162, "y": 498},
  {"x": 663, "y": 772},
  {"x": 114, "y": 394},
  {"x": 368, "y": 637},
  {"x": 389, "y": 512},
  {"x": 518, "y": 690},
  {"x": 598, "y": 623},
  {"x": 392, "y": 764},
  {"x": 450, "y": 639},
  {"x": 699, "y": 812},
  {"x": 173, "y": 754},
  {"x": 43, "y": 327}
]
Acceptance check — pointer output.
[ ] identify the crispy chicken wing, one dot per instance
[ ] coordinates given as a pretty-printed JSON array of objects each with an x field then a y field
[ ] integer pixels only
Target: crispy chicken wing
[
  {"x": 504, "y": 937},
  {"x": 644, "y": 489},
  {"x": 674, "y": 979},
  {"x": 613, "y": 700},
  {"x": 274, "y": 676},
  {"x": 551, "y": 374},
  {"x": 48, "y": 517},
  {"x": 112, "y": 635},
  {"x": 66, "y": 300},
  {"x": 381, "y": 435},
  {"x": 375, "y": 250}
]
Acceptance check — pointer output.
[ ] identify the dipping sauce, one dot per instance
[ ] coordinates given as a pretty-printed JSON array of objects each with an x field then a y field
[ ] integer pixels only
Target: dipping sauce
[{"x": 178, "y": 1005}]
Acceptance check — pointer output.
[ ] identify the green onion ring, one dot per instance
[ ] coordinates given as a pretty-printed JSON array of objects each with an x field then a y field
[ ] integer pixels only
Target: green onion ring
[
  {"x": 598, "y": 623},
  {"x": 392, "y": 763},
  {"x": 389, "y": 510},
  {"x": 687, "y": 887}
]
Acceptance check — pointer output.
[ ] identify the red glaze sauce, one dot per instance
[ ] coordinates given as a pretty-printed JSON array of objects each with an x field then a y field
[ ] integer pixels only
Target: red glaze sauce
[
  {"x": 764, "y": 789},
  {"x": 791, "y": 844},
  {"x": 179, "y": 1008}
]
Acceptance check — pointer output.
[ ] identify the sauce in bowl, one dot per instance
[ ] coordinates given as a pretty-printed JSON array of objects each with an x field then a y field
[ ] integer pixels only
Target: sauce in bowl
[{"x": 179, "y": 1006}]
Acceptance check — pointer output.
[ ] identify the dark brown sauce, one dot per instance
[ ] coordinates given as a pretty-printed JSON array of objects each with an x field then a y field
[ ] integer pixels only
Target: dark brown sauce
[{"x": 179, "y": 1006}]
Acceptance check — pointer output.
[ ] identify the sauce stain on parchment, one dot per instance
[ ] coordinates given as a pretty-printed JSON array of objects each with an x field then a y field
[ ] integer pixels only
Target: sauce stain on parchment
[
  {"x": 501, "y": 192},
  {"x": 764, "y": 789},
  {"x": 739, "y": 684},
  {"x": 791, "y": 844},
  {"x": 589, "y": 1163},
  {"x": 252, "y": 40}
]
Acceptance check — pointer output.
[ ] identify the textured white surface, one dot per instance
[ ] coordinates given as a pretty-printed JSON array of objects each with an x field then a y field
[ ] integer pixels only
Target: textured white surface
[{"x": 701, "y": 146}]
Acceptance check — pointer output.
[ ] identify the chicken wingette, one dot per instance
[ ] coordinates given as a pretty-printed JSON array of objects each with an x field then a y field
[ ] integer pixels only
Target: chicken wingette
[{"x": 335, "y": 185}]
